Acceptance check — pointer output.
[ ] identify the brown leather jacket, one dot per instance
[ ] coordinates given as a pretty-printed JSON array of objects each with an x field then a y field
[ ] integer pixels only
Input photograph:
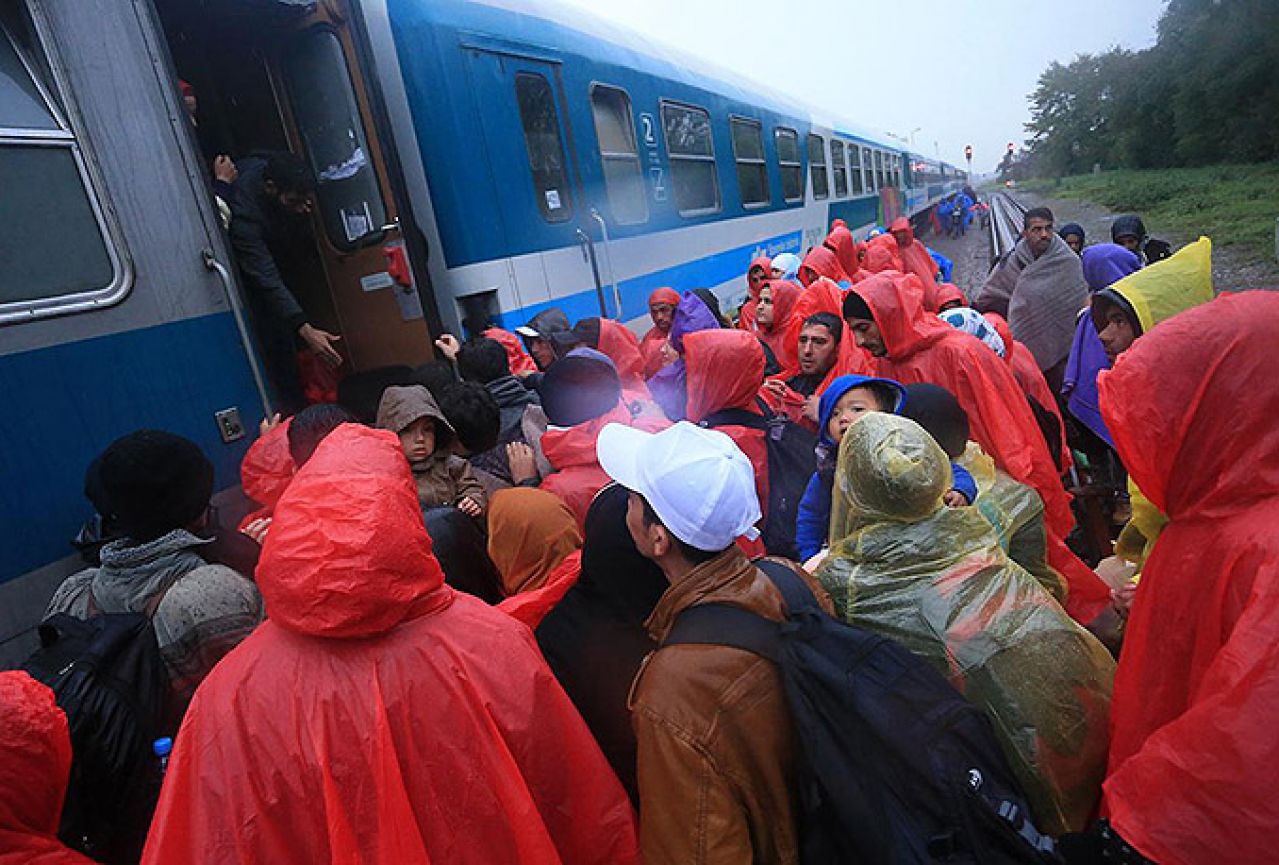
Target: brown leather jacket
[{"x": 715, "y": 765}]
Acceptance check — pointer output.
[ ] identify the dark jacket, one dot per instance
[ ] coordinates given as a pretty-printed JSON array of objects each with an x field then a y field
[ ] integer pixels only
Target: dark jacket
[
  {"x": 255, "y": 228},
  {"x": 594, "y": 640}
]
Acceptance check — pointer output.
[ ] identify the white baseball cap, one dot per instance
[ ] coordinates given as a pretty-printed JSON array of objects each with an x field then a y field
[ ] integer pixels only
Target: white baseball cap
[{"x": 697, "y": 481}]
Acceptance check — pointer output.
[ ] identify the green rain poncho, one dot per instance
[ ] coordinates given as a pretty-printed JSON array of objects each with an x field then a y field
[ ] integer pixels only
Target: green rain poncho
[{"x": 936, "y": 580}]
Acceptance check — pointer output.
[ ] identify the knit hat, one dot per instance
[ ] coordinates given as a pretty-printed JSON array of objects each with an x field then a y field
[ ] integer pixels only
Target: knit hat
[
  {"x": 578, "y": 389},
  {"x": 155, "y": 482}
]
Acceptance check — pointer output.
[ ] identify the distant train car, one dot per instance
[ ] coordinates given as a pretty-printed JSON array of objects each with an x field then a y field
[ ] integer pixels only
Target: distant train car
[{"x": 476, "y": 161}]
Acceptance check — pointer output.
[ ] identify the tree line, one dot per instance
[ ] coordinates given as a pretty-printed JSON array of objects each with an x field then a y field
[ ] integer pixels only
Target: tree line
[{"x": 1207, "y": 92}]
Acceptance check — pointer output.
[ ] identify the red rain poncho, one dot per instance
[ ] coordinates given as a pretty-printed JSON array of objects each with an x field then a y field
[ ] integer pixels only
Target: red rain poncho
[
  {"x": 267, "y": 470},
  {"x": 746, "y": 316},
  {"x": 725, "y": 370},
  {"x": 782, "y": 336},
  {"x": 531, "y": 607},
  {"x": 377, "y": 716},
  {"x": 1031, "y": 379},
  {"x": 948, "y": 292},
  {"x": 825, "y": 296},
  {"x": 571, "y": 452},
  {"x": 821, "y": 262},
  {"x": 923, "y": 348},
  {"x": 840, "y": 241},
  {"x": 35, "y": 763},
  {"x": 915, "y": 259},
  {"x": 651, "y": 344},
  {"x": 883, "y": 253},
  {"x": 1192, "y": 407},
  {"x": 620, "y": 346},
  {"x": 516, "y": 357}
]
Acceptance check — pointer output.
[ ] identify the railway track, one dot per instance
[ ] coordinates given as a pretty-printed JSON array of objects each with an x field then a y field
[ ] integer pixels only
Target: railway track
[{"x": 1006, "y": 215}]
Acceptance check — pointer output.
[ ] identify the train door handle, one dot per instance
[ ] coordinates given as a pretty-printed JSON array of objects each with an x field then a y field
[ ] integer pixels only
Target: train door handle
[
  {"x": 584, "y": 243},
  {"x": 391, "y": 226}
]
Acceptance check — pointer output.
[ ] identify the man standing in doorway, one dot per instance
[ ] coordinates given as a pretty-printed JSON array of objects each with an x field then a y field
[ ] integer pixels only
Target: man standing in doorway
[{"x": 272, "y": 189}]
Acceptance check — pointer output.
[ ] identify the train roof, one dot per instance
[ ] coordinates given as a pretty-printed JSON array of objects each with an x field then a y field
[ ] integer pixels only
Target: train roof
[{"x": 560, "y": 26}]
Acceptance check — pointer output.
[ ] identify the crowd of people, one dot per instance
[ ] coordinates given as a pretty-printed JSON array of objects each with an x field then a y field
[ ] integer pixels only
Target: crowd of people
[{"x": 449, "y": 630}]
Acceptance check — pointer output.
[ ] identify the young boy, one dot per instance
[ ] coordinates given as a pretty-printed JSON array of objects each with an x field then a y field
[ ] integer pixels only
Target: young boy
[
  {"x": 848, "y": 398},
  {"x": 443, "y": 479}
]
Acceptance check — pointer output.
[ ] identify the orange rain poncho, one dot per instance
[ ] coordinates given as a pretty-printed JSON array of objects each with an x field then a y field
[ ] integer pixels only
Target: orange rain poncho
[
  {"x": 267, "y": 470},
  {"x": 746, "y": 316},
  {"x": 915, "y": 259},
  {"x": 726, "y": 370},
  {"x": 840, "y": 241},
  {"x": 377, "y": 716},
  {"x": 35, "y": 763},
  {"x": 782, "y": 336},
  {"x": 1031, "y": 379},
  {"x": 883, "y": 253},
  {"x": 935, "y": 580},
  {"x": 654, "y": 339},
  {"x": 821, "y": 262},
  {"x": 516, "y": 357},
  {"x": 1192, "y": 406},
  {"x": 530, "y": 533},
  {"x": 922, "y": 348}
]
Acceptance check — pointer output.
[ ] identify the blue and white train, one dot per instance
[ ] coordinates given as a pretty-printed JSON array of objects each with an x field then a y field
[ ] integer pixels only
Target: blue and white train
[{"x": 476, "y": 160}]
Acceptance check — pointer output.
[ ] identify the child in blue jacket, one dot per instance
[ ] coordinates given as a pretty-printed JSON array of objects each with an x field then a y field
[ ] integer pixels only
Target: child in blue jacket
[{"x": 844, "y": 402}]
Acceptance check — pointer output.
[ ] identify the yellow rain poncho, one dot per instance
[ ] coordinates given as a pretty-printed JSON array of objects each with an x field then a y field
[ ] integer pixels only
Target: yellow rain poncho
[
  {"x": 1155, "y": 294},
  {"x": 936, "y": 580},
  {"x": 1016, "y": 512}
]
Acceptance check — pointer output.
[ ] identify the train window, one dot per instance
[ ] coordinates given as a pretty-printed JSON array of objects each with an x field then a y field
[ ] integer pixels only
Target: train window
[
  {"x": 690, "y": 148},
  {"x": 619, "y": 155},
  {"x": 748, "y": 152},
  {"x": 880, "y": 181},
  {"x": 792, "y": 170},
  {"x": 57, "y": 251},
  {"x": 855, "y": 169},
  {"x": 840, "y": 167},
  {"x": 328, "y": 121},
  {"x": 817, "y": 166},
  {"x": 544, "y": 145}
]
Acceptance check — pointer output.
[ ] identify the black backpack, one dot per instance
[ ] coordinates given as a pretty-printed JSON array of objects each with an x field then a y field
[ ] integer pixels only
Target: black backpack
[
  {"x": 791, "y": 463},
  {"x": 108, "y": 677},
  {"x": 896, "y": 766}
]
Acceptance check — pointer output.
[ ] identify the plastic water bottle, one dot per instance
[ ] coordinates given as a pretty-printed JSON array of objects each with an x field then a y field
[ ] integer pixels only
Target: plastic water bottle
[{"x": 161, "y": 748}]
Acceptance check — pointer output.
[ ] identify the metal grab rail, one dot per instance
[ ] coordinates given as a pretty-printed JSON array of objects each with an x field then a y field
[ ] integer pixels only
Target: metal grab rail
[{"x": 237, "y": 312}]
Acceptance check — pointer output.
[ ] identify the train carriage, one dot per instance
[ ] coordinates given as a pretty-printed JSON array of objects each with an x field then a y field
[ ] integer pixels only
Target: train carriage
[{"x": 476, "y": 162}]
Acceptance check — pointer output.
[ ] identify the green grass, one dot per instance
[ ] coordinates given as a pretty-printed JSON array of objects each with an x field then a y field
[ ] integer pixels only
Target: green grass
[{"x": 1235, "y": 205}]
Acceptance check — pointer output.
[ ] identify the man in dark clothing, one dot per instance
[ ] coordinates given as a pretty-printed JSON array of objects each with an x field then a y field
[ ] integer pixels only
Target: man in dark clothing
[
  {"x": 271, "y": 189},
  {"x": 522, "y": 419},
  {"x": 818, "y": 351}
]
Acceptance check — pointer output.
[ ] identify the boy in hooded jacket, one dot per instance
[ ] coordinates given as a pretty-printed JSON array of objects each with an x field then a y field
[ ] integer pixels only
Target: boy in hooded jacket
[
  {"x": 443, "y": 479},
  {"x": 843, "y": 404}
]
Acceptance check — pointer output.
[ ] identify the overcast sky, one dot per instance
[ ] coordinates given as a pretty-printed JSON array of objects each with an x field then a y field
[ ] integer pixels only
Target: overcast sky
[{"x": 957, "y": 71}]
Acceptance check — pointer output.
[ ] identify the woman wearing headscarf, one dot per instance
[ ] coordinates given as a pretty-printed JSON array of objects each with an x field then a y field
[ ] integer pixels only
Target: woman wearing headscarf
[
  {"x": 935, "y": 580},
  {"x": 530, "y": 532},
  {"x": 1073, "y": 234},
  {"x": 594, "y": 639},
  {"x": 661, "y": 308},
  {"x": 821, "y": 262},
  {"x": 775, "y": 322},
  {"x": 786, "y": 266},
  {"x": 669, "y": 385},
  {"x": 1104, "y": 264},
  {"x": 760, "y": 271}
]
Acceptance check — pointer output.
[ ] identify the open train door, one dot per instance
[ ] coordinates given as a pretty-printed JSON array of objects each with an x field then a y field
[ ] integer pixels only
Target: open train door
[{"x": 322, "y": 98}]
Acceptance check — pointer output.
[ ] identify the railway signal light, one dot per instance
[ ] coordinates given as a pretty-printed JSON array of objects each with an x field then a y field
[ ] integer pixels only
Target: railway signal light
[
  {"x": 968, "y": 153},
  {"x": 1011, "y": 147}
]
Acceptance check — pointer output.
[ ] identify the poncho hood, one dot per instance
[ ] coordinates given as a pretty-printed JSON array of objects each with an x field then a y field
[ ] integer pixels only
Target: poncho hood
[
  {"x": 348, "y": 554},
  {"x": 725, "y": 370}
]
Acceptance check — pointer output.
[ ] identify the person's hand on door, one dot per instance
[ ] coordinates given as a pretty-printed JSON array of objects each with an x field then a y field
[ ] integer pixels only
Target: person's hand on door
[
  {"x": 322, "y": 343},
  {"x": 224, "y": 169}
]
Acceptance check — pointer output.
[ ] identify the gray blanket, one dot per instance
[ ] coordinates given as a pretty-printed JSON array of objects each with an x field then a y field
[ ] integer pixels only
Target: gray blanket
[{"x": 1040, "y": 297}]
